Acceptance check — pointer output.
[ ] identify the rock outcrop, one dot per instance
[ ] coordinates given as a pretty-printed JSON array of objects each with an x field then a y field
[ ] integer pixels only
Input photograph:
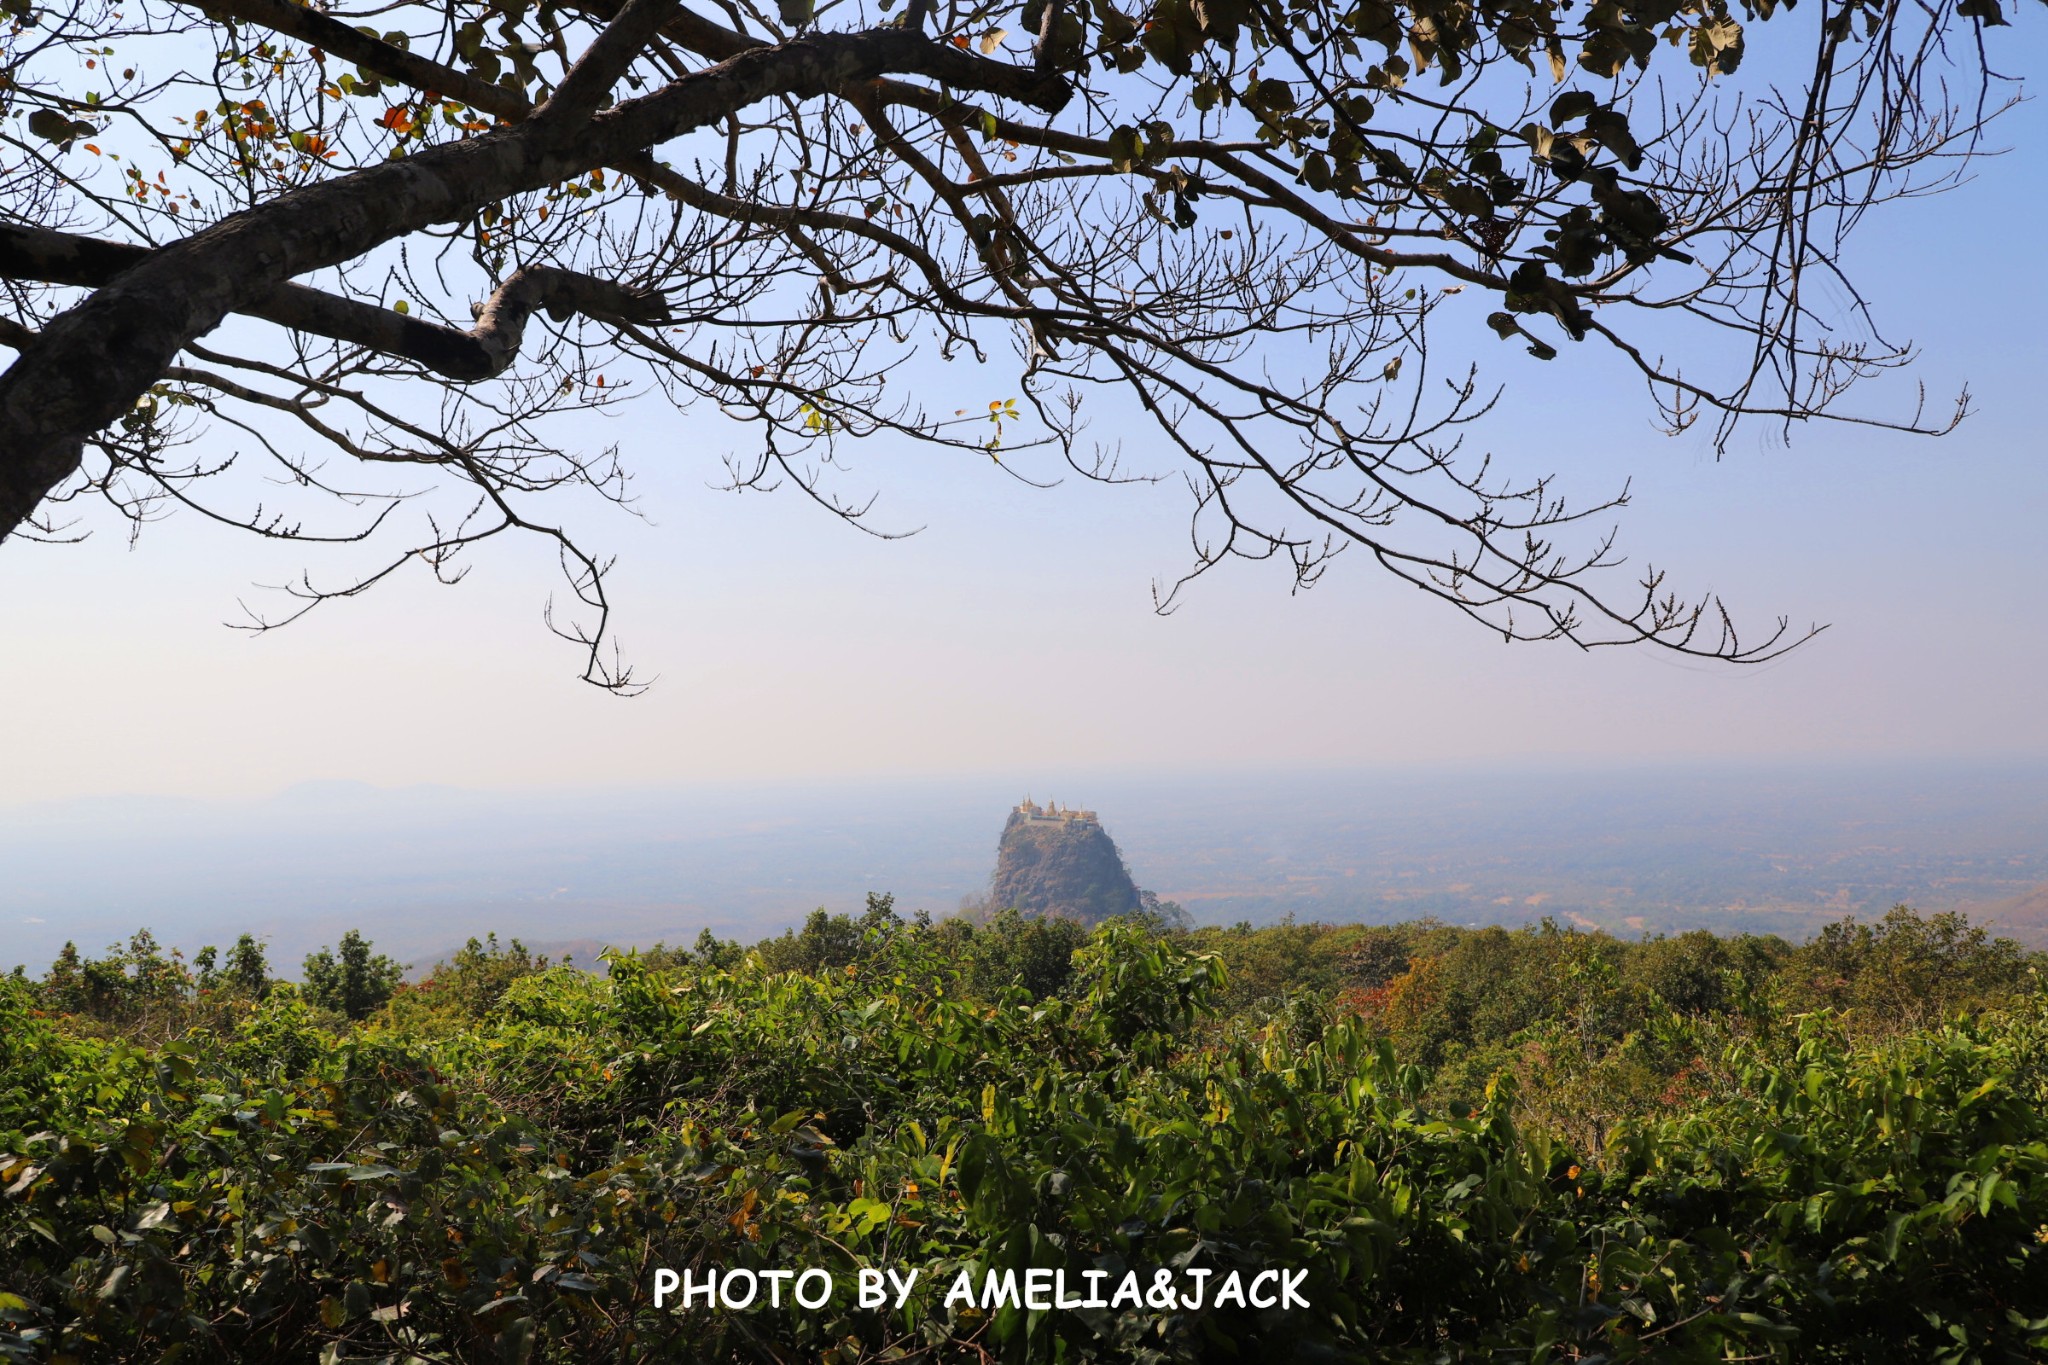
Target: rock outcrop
[{"x": 1055, "y": 861}]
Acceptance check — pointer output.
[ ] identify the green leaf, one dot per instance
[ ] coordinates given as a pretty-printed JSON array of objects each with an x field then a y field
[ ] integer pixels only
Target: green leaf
[
  {"x": 1572, "y": 104},
  {"x": 1126, "y": 147},
  {"x": 515, "y": 1343},
  {"x": 52, "y": 126}
]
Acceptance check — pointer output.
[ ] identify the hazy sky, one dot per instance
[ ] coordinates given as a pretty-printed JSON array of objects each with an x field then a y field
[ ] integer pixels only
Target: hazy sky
[{"x": 1015, "y": 634}]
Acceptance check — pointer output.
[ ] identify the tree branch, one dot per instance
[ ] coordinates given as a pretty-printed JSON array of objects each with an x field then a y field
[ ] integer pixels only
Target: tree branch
[
  {"x": 590, "y": 81},
  {"x": 371, "y": 53},
  {"x": 97, "y": 359},
  {"x": 28, "y": 253}
]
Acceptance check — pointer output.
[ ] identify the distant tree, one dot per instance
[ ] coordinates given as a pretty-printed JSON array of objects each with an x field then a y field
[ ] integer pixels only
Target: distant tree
[
  {"x": 1012, "y": 949},
  {"x": 828, "y": 940},
  {"x": 480, "y": 973},
  {"x": 353, "y": 981},
  {"x": 156, "y": 978},
  {"x": 715, "y": 952},
  {"x": 1376, "y": 957},
  {"x": 825, "y": 940},
  {"x": 1145, "y": 990},
  {"x": 1163, "y": 915},
  {"x": 133, "y": 983},
  {"x": 246, "y": 972},
  {"x": 1267, "y": 964},
  {"x": 708, "y": 952},
  {"x": 64, "y": 986},
  {"x": 1700, "y": 973},
  {"x": 880, "y": 914},
  {"x": 1906, "y": 969}
]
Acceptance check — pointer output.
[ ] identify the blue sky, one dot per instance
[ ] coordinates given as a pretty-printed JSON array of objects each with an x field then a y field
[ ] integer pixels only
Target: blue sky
[{"x": 1015, "y": 634}]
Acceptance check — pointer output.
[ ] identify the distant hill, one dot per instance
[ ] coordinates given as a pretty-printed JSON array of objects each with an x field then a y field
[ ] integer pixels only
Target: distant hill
[
  {"x": 2024, "y": 917},
  {"x": 1054, "y": 861}
]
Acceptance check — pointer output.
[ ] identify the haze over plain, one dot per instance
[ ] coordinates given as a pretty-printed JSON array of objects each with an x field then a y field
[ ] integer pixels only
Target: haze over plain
[
  {"x": 1011, "y": 643},
  {"x": 1768, "y": 848}
]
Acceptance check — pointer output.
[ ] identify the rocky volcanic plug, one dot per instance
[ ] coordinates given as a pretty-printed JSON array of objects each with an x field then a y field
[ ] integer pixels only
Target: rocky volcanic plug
[{"x": 1057, "y": 861}]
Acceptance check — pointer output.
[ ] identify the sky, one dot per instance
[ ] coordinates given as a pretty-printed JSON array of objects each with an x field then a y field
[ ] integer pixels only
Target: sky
[{"x": 1014, "y": 636}]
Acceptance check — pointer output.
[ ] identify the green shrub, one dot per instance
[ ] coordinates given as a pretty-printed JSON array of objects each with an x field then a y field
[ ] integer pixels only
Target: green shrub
[{"x": 497, "y": 1183}]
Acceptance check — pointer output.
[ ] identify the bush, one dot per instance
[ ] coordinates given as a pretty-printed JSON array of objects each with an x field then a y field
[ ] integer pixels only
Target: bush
[
  {"x": 353, "y": 981},
  {"x": 496, "y": 1181}
]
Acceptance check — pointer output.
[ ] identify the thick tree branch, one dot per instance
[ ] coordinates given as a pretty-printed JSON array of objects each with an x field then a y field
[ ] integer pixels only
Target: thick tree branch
[
  {"x": 40, "y": 254},
  {"x": 501, "y": 322},
  {"x": 372, "y": 54},
  {"x": 97, "y": 359},
  {"x": 396, "y": 64},
  {"x": 589, "y": 82}
]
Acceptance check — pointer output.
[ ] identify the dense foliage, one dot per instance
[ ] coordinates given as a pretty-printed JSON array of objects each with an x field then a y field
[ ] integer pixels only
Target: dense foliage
[{"x": 1692, "y": 1148}]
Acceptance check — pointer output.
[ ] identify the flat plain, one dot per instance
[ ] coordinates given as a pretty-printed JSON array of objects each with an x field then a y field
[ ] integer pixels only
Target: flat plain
[{"x": 1648, "y": 849}]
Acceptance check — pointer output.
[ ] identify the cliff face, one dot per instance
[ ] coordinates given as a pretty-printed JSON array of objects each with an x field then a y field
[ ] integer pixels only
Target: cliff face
[{"x": 1070, "y": 869}]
